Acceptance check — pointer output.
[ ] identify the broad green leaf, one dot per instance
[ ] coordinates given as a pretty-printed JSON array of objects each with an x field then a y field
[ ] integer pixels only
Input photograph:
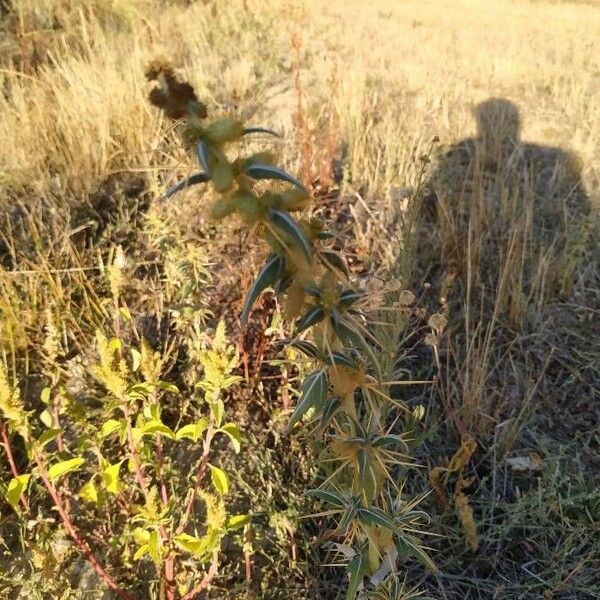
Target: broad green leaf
[
  {"x": 110, "y": 477},
  {"x": 141, "y": 536},
  {"x": 333, "y": 498},
  {"x": 267, "y": 277},
  {"x": 47, "y": 436},
  {"x": 189, "y": 543},
  {"x": 45, "y": 395},
  {"x": 46, "y": 418},
  {"x": 186, "y": 183},
  {"x": 15, "y": 489},
  {"x": 282, "y": 221},
  {"x": 219, "y": 479},
  {"x": 192, "y": 431},
  {"x": 167, "y": 386},
  {"x": 109, "y": 427},
  {"x": 357, "y": 569},
  {"x": 311, "y": 317},
  {"x": 257, "y": 171},
  {"x": 313, "y": 393},
  {"x": 232, "y": 431},
  {"x": 88, "y": 492},
  {"x": 237, "y": 522},
  {"x": 156, "y": 426},
  {"x": 64, "y": 467},
  {"x": 136, "y": 359}
]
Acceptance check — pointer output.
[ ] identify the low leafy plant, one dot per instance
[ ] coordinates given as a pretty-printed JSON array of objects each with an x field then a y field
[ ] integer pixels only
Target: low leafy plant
[
  {"x": 115, "y": 473},
  {"x": 343, "y": 399}
]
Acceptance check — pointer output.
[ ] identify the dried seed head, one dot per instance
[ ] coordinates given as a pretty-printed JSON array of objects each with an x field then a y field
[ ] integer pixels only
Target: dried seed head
[{"x": 176, "y": 98}]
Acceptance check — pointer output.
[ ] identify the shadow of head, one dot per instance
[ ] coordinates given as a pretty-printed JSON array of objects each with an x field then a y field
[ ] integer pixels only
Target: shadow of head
[{"x": 498, "y": 122}]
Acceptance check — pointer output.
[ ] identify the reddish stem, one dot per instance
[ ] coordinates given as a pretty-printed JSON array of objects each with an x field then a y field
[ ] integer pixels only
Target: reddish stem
[
  {"x": 210, "y": 574},
  {"x": 11, "y": 460},
  {"x": 72, "y": 531}
]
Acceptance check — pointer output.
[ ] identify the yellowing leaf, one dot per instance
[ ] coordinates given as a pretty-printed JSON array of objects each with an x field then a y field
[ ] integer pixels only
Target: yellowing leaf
[
  {"x": 156, "y": 426},
  {"x": 64, "y": 467},
  {"x": 46, "y": 418},
  {"x": 110, "y": 476},
  {"x": 16, "y": 487},
  {"x": 465, "y": 513},
  {"x": 141, "y": 551},
  {"x": 45, "y": 395},
  {"x": 88, "y": 492},
  {"x": 237, "y": 521},
  {"x": 141, "y": 536},
  {"x": 192, "y": 431},
  {"x": 109, "y": 427},
  {"x": 219, "y": 479},
  {"x": 154, "y": 547}
]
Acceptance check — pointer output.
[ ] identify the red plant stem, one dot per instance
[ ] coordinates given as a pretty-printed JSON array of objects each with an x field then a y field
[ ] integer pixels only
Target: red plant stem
[
  {"x": 11, "y": 460},
  {"x": 205, "y": 583},
  {"x": 199, "y": 477},
  {"x": 72, "y": 531},
  {"x": 137, "y": 465}
]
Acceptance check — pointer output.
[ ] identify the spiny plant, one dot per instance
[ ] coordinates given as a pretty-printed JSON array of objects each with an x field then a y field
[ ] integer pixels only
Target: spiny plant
[
  {"x": 113, "y": 468},
  {"x": 343, "y": 399}
]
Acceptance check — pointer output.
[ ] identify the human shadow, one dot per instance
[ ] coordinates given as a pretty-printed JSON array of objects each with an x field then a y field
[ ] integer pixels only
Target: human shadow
[{"x": 492, "y": 195}]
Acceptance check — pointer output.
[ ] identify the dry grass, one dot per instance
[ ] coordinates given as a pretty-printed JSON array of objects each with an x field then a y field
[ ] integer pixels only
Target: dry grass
[{"x": 83, "y": 156}]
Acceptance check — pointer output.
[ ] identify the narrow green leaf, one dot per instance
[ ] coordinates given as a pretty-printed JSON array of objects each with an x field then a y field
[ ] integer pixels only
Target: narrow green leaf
[
  {"x": 389, "y": 440},
  {"x": 408, "y": 546},
  {"x": 202, "y": 153},
  {"x": 357, "y": 569},
  {"x": 311, "y": 317},
  {"x": 346, "y": 519},
  {"x": 282, "y": 221},
  {"x": 15, "y": 489},
  {"x": 154, "y": 547},
  {"x": 248, "y": 130},
  {"x": 328, "y": 411},
  {"x": 257, "y": 171},
  {"x": 186, "y": 183},
  {"x": 305, "y": 347},
  {"x": 334, "y": 261},
  {"x": 333, "y": 498},
  {"x": 219, "y": 479},
  {"x": 374, "y": 515},
  {"x": 267, "y": 277},
  {"x": 348, "y": 298},
  {"x": 64, "y": 467},
  {"x": 141, "y": 552},
  {"x": 337, "y": 358},
  {"x": 313, "y": 393},
  {"x": 237, "y": 522}
]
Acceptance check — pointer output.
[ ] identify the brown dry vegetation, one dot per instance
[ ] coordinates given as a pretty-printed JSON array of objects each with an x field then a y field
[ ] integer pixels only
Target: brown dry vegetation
[{"x": 509, "y": 252}]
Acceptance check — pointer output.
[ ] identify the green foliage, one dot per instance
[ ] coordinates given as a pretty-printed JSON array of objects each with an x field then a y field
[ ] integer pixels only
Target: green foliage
[
  {"x": 127, "y": 454},
  {"x": 329, "y": 324}
]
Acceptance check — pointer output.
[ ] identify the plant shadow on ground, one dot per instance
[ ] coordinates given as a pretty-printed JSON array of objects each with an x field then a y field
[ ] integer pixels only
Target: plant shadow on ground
[{"x": 507, "y": 244}]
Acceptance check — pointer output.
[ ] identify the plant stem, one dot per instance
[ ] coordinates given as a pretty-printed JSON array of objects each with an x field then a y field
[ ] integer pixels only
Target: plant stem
[
  {"x": 11, "y": 460},
  {"x": 72, "y": 531},
  {"x": 212, "y": 571}
]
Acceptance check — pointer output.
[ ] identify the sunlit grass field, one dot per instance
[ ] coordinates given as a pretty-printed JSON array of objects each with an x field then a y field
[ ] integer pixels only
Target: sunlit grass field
[{"x": 369, "y": 97}]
